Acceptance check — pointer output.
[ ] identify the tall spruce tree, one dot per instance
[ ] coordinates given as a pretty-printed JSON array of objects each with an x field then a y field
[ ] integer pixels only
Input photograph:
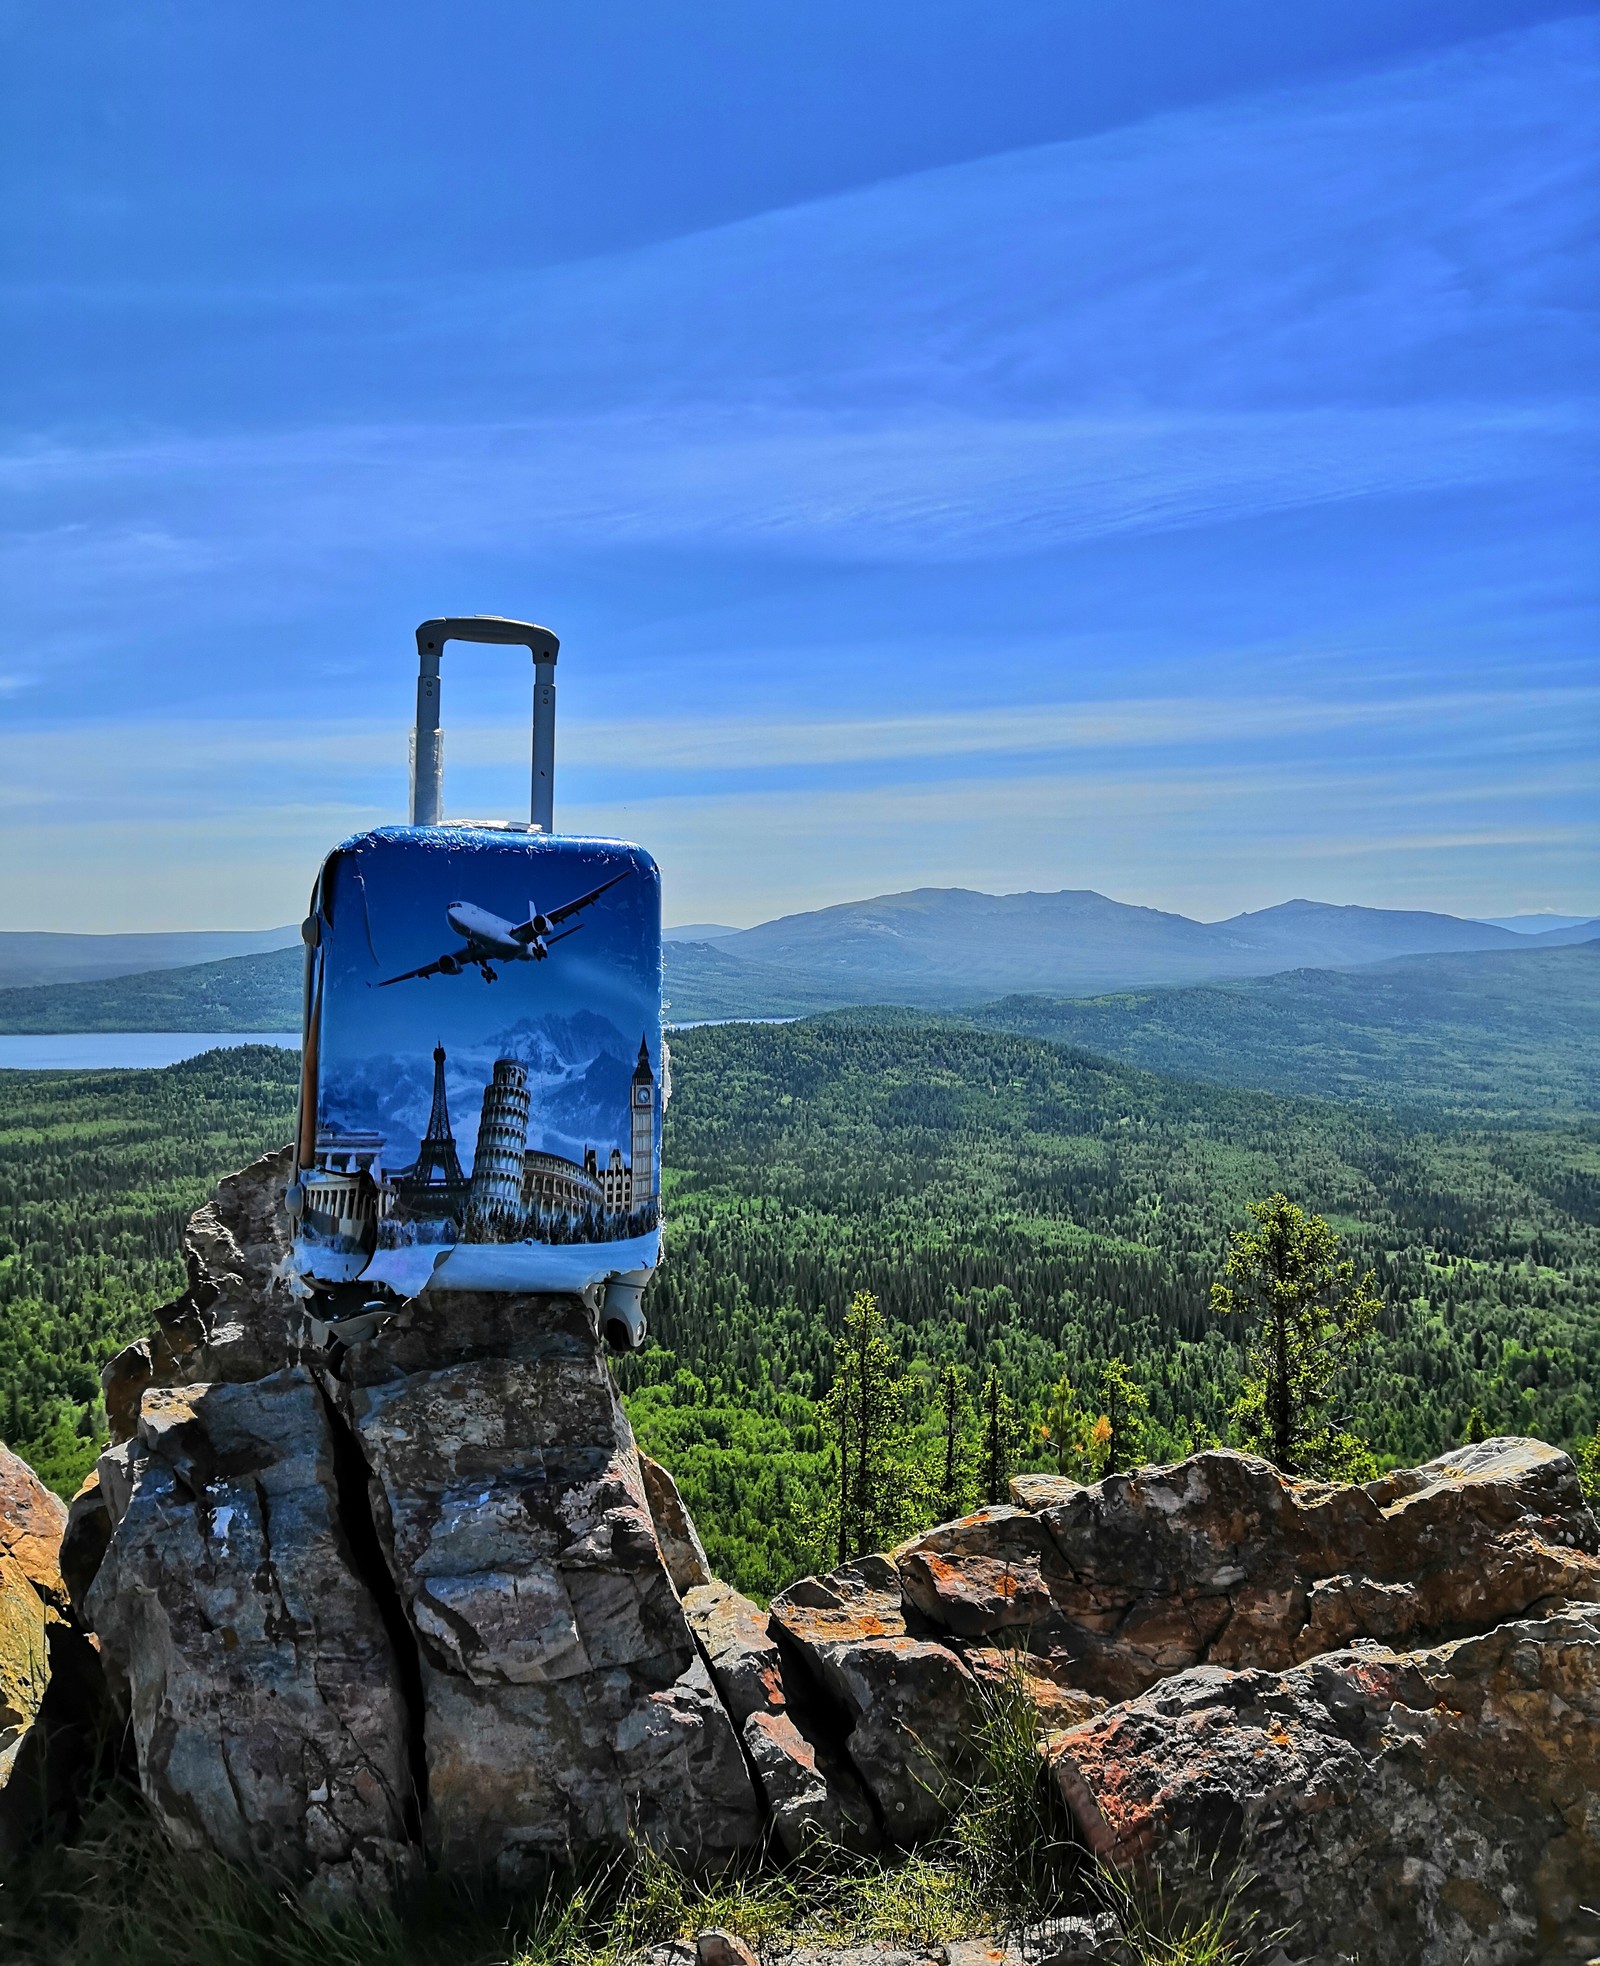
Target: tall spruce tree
[
  {"x": 954, "y": 1412},
  {"x": 1310, "y": 1313},
  {"x": 1001, "y": 1438},
  {"x": 876, "y": 1488}
]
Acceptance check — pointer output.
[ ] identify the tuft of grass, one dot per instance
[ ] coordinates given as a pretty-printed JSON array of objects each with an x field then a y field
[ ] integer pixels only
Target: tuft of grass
[
  {"x": 1203, "y": 1920},
  {"x": 1010, "y": 1831}
]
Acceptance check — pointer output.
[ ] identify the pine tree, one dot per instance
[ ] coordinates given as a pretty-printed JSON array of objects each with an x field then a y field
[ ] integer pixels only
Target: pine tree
[
  {"x": 1126, "y": 1408},
  {"x": 1066, "y": 1432},
  {"x": 955, "y": 1442},
  {"x": 1002, "y": 1437},
  {"x": 1311, "y": 1313},
  {"x": 876, "y": 1489}
]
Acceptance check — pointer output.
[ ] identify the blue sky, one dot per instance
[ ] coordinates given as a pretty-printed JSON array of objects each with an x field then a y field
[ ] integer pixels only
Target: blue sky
[{"x": 1067, "y": 445}]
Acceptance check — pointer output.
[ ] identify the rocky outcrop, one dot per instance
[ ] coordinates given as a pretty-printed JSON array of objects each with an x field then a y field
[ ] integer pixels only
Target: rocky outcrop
[
  {"x": 1097, "y": 1594},
  {"x": 412, "y": 1594},
  {"x": 565, "y": 1705},
  {"x": 266, "y": 1702},
  {"x": 1428, "y": 1808},
  {"x": 369, "y": 1601},
  {"x": 1221, "y": 1559},
  {"x": 908, "y": 1705}
]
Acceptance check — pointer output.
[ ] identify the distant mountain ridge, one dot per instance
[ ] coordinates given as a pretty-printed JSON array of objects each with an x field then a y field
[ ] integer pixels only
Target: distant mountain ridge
[
  {"x": 1489, "y": 1031},
  {"x": 931, "y": 948},
  {"x": 944, "y": 946},
  {"x": 38, "y": 956}
]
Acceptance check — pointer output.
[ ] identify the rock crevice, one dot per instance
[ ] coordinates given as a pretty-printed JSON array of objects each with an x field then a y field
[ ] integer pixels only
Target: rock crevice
[{"x": 364, "y": 1547}]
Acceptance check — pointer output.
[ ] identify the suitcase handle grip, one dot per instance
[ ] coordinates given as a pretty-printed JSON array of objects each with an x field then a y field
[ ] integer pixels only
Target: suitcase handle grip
[{"x": 427, "y": 764}]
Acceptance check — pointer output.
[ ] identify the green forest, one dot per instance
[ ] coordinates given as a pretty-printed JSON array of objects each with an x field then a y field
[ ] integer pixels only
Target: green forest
[{"x": 1013, "y": 1204}]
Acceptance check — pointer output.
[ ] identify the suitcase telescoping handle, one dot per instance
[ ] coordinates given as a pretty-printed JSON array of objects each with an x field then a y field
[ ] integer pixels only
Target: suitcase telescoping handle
[{"x": 427, "y": 775}]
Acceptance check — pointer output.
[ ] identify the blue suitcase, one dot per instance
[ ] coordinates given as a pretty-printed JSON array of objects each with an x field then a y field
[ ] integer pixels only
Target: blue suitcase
[{"x": 483, "y": 1074}]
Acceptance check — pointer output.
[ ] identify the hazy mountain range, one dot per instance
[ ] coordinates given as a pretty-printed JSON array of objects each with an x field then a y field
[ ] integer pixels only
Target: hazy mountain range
[
  {"x": 932, "y": 948},
  {"x": 946, "y": 946},
  {"x": 36, "y": 956}
]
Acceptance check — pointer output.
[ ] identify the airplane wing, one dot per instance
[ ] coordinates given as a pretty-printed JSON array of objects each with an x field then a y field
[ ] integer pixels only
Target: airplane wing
[
  {"x": 571, "y": 907},
  {"x": 455, "y": 957}
]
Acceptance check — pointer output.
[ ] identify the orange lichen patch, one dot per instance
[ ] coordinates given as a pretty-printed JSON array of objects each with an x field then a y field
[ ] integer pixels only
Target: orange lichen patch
[{"x": 32, "y": 1521}]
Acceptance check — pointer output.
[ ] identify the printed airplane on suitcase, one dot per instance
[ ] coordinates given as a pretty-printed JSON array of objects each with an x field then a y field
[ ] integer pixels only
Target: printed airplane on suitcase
[{"x": 483, "y": 1073}]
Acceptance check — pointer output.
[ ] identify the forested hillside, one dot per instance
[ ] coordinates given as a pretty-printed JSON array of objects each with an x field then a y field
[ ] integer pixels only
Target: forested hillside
[
  {"x": 1489, "y": 1033},
  {"x": 242, "y": 993},
  {"x": 1015, "y": 1201},
  {"x": 1009, "y": 1200},
  {"x": 98, "y": 1173}
]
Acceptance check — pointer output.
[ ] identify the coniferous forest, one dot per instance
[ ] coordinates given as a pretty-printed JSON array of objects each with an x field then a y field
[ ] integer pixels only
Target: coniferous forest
[{"x": 1026, "y": 1213}]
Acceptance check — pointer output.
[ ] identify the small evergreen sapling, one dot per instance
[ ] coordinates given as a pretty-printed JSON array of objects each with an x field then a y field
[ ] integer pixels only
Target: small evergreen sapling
[
  {"x": 1066, "y": 1433},
  {"x": 1126, "y": 1409}
]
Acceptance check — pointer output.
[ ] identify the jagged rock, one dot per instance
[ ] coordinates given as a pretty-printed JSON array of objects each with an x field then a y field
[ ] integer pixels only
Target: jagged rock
[
  {"x": 238, "y": 1319},
  {"x": 739, "y": 1647},
  {"x": 566, "y": 1705},
  {"x": 907, "y": 1702},
  {"x": 675, "y": 1531},
  {"x": 1221, "y": 1558},
  {"x": 32, "y": 1599},
  {"x": 985, "y": 1574},
  {"x": 814, "y": 1801},
  {"x": 437, "y": 1612},
  {"x": 31, "y": 1522},
  {"x": 811, "y": 1795},
  {"x": 84, "y": 1540},
  {"x": 1432, "y": 1808},
  {"x": 266, "y": 1706},
  {"x": 53, "y": 1710}
]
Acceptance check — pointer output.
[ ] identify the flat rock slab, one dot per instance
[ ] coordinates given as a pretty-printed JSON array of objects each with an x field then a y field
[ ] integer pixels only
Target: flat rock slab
[{"x": 1432, "y": 1808}]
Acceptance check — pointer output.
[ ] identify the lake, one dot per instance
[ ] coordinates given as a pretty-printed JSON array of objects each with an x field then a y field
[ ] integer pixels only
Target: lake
[{"x": 88, "y": 1051}]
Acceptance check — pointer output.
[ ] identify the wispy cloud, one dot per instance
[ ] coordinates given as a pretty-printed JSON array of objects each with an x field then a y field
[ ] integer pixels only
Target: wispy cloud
[
  {"x": 1161, "y": 503},
  {"x": 849, "y": 487}
]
